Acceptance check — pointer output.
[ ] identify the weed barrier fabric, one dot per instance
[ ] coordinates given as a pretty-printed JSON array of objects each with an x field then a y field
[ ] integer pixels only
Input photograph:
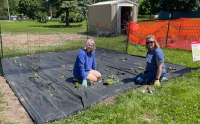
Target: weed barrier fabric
[{"x": 43, "y": 82}]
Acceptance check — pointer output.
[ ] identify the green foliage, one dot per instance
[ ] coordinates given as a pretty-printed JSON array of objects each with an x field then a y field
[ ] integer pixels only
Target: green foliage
[
  {"x": 72, "y": 17},
  {"x": 110, "y": 81},
  {"x": 42, "y": 17},
  {"x": 28, "y": 7},
  {"x": 178, "y": 5},
  {"x": 3, "y": 9},
  {"x": 148, "y": 7},
  {"x": 69, "y": 6},
  {"x": 13, "y": 5}
]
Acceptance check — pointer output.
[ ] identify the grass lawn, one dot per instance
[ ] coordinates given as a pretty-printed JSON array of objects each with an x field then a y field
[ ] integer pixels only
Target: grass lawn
[
  {"x": 175, "y": 101},
  {"x": 54, "y": 27}
]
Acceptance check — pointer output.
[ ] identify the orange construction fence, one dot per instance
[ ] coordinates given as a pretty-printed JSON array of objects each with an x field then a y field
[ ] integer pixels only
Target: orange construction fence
[{"x": 177, "y": 33}]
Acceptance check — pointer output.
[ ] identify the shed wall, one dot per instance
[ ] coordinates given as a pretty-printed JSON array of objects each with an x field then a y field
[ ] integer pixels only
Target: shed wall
[
  {"x": 114, "y": 16},
  {"x": 99, "y": 14}
]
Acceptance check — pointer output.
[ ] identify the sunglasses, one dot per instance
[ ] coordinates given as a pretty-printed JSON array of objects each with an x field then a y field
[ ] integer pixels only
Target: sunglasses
[{"x": 149, "y": 42}]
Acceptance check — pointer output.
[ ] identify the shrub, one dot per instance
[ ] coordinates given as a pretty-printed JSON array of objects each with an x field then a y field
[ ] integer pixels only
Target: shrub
[
  {"x": 73, "y": 17},
  {"x": 62, "y": 17},
  {"x": 42, "y": 18}
]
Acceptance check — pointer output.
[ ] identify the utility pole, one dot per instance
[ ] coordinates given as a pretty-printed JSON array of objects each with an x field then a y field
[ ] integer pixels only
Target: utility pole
[{"x": 8, "y": 11}]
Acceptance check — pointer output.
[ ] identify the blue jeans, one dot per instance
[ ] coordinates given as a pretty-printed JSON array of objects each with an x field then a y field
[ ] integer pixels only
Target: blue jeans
[{"x": 147, "y": 78}]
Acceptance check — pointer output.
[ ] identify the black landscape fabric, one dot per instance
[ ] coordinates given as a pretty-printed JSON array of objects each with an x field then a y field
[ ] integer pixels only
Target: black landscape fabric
[{"x": 44, "y": 83}]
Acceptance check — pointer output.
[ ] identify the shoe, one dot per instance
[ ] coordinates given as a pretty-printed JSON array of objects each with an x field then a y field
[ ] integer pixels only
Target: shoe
[{"x": 77, "y": 80}]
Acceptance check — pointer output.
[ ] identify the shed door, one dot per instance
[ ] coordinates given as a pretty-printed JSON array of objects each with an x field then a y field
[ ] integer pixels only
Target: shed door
[{"x": 124, "y": 13}]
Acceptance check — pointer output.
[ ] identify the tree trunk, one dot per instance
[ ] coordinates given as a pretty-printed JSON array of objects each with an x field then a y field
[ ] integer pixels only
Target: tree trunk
[
  {"x": 172, "y": 14},
  {"x": 67, "y": 17},
  {"x": 50, "y": 9}
]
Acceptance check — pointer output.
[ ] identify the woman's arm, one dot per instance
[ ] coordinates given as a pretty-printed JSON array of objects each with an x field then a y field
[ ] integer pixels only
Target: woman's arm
[
  {"x": 94, "y": 62},
  {"x": 159, "y": 70},
  {"x": 81, "y": 62}
]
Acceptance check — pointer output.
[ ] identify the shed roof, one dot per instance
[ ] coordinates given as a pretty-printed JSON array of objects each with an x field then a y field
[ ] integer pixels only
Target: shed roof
[{"x": 114, "y": 2}]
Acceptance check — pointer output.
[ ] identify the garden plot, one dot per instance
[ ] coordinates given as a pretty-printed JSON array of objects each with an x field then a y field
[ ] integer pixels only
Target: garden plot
[{"x": 43, "y": 82}]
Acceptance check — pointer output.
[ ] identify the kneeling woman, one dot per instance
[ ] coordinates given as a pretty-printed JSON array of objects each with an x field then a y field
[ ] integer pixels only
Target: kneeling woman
[
  {"x": 155, "y": 67},
  {"x": 85, "y": 65}
]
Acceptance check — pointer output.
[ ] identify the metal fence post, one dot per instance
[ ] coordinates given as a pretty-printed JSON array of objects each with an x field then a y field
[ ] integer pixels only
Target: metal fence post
[
  {"x": 168, "y": 29},
  {"x": 1, "y": 57},
  {"x": 128, "y": 38}
]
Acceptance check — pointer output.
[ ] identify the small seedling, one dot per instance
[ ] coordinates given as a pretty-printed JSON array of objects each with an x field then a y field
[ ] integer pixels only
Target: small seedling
[
  {"x": 56, "y": 91},
  {"x": 14, "y": 60},
  {"x": 36, "y": 75},
  {"x": 106, "y": 69},
  {"x": 102, "y": 50},
  {"x": 19, "y": 64},
  {"x": 32, "y": 57},
  {"x": 46, "y": 82},
  {"x": 171, "y": 68},
  {"x": 101, "y": 80},
  {"x": 141, "y": 68},
  {"x": 71, "y": 68},
  {"x": 123, "y": 59},
  {"x": 77, "y": 85},
  {"x": 132, "y": 69},
  {"x": 111, "y": 76},
  {"x": 36, "y": 68},
  {"x": 121, "y": 73},
  {"x": 110, "y": 81}
]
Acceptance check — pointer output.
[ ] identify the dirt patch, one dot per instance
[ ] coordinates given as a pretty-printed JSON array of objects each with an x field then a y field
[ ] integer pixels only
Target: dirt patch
[
  {"x": 14, "y": 111},
  {"x": 108, "y": 101},
  {"x": 24, "y": 40}
]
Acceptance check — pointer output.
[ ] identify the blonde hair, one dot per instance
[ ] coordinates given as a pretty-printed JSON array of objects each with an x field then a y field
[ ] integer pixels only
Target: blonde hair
[
  {"x": 155, "y": 41},
  {"x": 91, "y": 41}
]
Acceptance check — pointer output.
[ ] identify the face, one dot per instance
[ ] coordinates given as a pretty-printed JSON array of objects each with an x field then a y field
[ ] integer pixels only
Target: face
[
  {"x": 150, "y": 44},
  {"x": 89, "y": 47}
]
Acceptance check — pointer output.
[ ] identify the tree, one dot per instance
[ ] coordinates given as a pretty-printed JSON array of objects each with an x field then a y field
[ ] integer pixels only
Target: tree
[
  {"x": 29, "y": 7},
  {"x": 3, "y": 8},
  {"x": 149, "y": 7},
  {"x": 69, "y": 6},
  {"x": 178, "y": 5},
  {"x": 83, "y": 7},
  {"x": 13, "y": 5}
]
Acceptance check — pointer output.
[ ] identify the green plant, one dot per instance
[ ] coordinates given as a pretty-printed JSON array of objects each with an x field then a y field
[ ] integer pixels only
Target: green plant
[
  {"x": 19, "y": 64},
  {"x": 141, "y": 68},
  {"x": 132, "y": 69},
  {"x": 42, "y": 17},
  {"x": 36, "y": 75},
  {"x": 77, "y": 85},
  {"x": 110, "y": 81},
  {"x": 101, "y": 80},
  {"x": 111, "y": 76},
  {"x": 106, "y": 69},
  {"x": 14, "y": 60}
]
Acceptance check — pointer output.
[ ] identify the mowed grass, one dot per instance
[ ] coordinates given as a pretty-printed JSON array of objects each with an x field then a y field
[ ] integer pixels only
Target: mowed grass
[
  {"x": 54, "y": 27},
  {"x": 175, "y": 101}
]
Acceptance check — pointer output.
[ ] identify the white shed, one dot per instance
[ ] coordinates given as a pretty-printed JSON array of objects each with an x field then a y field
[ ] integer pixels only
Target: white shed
[{"x": 111, "y": 15}]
